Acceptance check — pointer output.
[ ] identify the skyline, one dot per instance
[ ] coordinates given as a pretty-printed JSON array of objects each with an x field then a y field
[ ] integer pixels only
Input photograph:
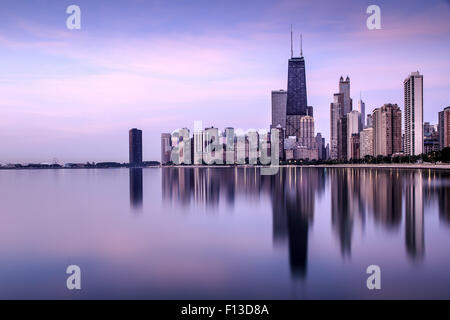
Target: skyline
[{"x": 78, "y": 96}]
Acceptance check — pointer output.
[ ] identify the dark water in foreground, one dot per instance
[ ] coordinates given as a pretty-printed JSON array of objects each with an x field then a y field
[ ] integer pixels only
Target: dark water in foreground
[{"x": 225, "y": 233}]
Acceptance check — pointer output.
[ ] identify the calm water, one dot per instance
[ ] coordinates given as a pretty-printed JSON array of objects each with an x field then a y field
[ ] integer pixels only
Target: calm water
[{"x": 225, "y": 233}]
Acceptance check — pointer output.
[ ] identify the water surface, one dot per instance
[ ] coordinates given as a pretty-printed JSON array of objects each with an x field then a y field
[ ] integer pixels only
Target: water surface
[{"x": 230, "y": 233}]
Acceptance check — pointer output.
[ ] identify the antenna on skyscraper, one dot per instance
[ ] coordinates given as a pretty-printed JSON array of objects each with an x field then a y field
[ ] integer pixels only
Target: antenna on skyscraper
[
  {"x": 301, "y": 46},
  {"x": 292, "y": 50}
]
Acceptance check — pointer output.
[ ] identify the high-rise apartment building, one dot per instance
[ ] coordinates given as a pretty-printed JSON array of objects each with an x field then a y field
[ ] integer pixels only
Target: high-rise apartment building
[
  {"x": 135, "y": 147},
  {"x": 306, "y": 137},
  {"x": 320, "y": 143},
  {"x": 366, "y": 142},
  {"x": 354, "y": 147},
  {"x": 413, "y": 94},
  {"x": 369, "y": 121},
  {"x": 444, "y": 128},
  {"x": 387, "y": 130},
  {"x": 166, "y": 147},
  {"x": 279, "y": 100}
]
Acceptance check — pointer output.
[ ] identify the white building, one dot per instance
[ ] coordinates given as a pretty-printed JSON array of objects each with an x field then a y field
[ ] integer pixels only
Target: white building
[{"x": 413, "y": 93}]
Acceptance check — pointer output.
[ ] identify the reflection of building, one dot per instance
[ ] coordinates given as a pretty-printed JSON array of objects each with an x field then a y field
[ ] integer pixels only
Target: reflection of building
[
  {"x": 135, "y": 145},
  {"x": 136, "y": 187},
  {"x": 341, "y": 215},
  {"x": 358, "y": 196},
  {"x": 414, "y": 223},
  {"x": 413, "y": 92},
  {"x": 387, "y": 130},
  {"x": 387, "y": 191},
  {"x": 279, "y": 98}
]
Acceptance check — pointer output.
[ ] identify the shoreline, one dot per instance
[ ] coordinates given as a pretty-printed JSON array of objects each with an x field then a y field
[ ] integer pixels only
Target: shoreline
[{"x": 346, "y": 166}]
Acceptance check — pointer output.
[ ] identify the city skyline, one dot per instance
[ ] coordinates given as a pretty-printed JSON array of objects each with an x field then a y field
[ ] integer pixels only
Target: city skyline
[{"x": 102, "y": 93}]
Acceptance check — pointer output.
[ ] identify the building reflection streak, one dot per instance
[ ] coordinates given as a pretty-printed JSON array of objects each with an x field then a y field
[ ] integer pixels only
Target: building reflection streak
[
  {"x": 136, "y": 188},
  {"x": 356, "y": 194},
  {"x": 414, "y": 223}
]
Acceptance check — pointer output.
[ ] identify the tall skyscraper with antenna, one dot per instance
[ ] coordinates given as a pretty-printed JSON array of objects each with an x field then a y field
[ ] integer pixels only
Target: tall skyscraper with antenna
[{"x": 296, "y": 105}]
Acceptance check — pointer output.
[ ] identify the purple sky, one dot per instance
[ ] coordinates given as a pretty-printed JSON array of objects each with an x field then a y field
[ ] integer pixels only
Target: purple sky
[{"x": 160, "y": 65}]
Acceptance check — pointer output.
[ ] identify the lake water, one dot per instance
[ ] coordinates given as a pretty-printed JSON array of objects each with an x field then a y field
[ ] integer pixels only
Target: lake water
[{"x": 230, "y": 233}]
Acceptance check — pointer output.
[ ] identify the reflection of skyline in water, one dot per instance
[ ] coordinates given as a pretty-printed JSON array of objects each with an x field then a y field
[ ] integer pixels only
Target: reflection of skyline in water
[
  {"x": 356, "y": 195},
  {"x": 136, "y": 188}
]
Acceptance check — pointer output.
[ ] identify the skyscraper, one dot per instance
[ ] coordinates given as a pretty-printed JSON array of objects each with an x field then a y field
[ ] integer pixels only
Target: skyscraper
[
  {"x": 413, "y": 93},
  {"x": 296, "y": 102},
  {"x": 344, "y": 88},
  {"x": 306, "y": 137},
  {"x": 320, "y": 143},
  {"x": 354, "y": 147},
  {"x": 369, "y": 121},
  {"x": 366, "y": 142},
  {"x": 279, "y": 99},
  {"x": 335, "y": 114},
  {"x": 353, "y": 128},
  {"x": 342, "y": 139},
  {"x": 444, "y": 128},
  {"x": 135, "y": 147},
  {"x": 339, "y": 109},
  {"x": 362, "y": 111},
  {"x": 387, "y": 130}
]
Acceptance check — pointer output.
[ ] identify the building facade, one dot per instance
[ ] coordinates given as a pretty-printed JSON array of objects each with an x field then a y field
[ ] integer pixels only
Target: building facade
[
  {"x": 353, "y": 127},
  {"x": 135, "y": 147},
  {"x": 387, "y": 130},
  {"x": 354, "y": 146},
  {"x": 413, "y": 94},
  {"x": 296, "y": 102},
  {"x": 306, "y": 137},
  {"x": 362, "y": 111},
  {"x": 166, "y": 147},
  {"x": 339, "y": 108},
  {"x": 279, "y": 100},
  {"x": 335, "y": 114},
  {"x": 366, "y": 142},
  {"x": 444, "y": 128}
]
